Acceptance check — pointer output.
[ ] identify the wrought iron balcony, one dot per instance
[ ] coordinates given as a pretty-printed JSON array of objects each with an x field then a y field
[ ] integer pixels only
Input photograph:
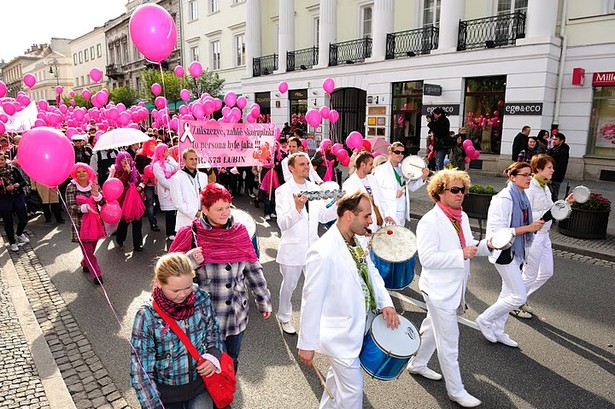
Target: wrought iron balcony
[
  {"x": 303, "y": 59},
  {"x": 114, "y": 71},
  {"x": 264, "y": 65},
  {"x": 491, "y": 32},
  {"x": 412, "y": 42},
  {"x": 350, "y": 52}
]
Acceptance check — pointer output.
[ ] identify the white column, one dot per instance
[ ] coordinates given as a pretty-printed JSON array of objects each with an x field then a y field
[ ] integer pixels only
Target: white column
[
  {"x": 286, "y": 34},
  {"x": 541, "y": 18},
  {"x": 328, "y": 30},
  {"x": 384, "y": 12},
  {"x": 451, "y": 11},
  {"x": 253, "y": 33}
]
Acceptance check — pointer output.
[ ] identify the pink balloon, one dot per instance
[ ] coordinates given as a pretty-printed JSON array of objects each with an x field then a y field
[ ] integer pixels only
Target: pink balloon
[
  {"x": 467, "y": 143},
  {"x": 2, "y": 128},
  {"x": 255, "y": 109},
  {"x": 198, "y": 110},
  {"x": 475, "y": 155},
  {"x": 345, "y": 161},
  {"x": 3, "y": 89},
  {"x": 160, "y": 102},
  {"x": 184, "y": 94},
  {"x": 112, "y": 189},
  {"x": 283, "y": 87},
  {"x": 153, "y": 31},
  {"x": 70, "y": 132},
  {"x": 328, "y": 85},
  {"x": 313, "y": 118},
  {"x": 333, "y": 116},
  {"x": 156, "y": 89},
  {"x": 470, "y": 151},
  {"x": 111, "y": 212},
  {"x": 341, "y": 154},
  {"x": 183, "y": 110},
  {"x": 209, "y": 107},
  {"x": 24, "y": 100},
  {"x": 324, "y": 112},
  {"x": 59, "y": 90},
  {"x": 124, "y": 118},
  {"x": 29, "y": 80},
  {"x": 8, "y": 108},
  {"x": 230, "y": 99},
  {"x": 46, "y": 155},
  {"x": 250, "y": 119},
  {"x": 95, "y": 74},
  {"x": 336, "y": 148},
  {"x": 195, "y": 68},
  {"x": 86, "y": 94},
  {"x": 71, "y": 94},
  {"x": 179, "y": 71},
  {"x": 242, "y": 102}
]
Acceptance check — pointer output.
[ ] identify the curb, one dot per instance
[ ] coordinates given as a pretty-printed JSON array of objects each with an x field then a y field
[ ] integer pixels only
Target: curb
[{"x": 55, "y": 388}]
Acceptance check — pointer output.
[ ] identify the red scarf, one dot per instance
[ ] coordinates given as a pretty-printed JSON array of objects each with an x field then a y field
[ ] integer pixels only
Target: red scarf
[
  {"x": 177, "y": 311},
  {"x": 454, "y": 215},
  {"x": 227, "y": 245}
]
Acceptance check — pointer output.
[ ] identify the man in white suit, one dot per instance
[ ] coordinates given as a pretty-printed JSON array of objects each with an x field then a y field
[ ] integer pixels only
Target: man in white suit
[
  {"x": 363, "y": 180},
  {"x": 394, "y": 186},
  {"x": 341, "y": 287},
  {"x": 445, "y": 247},
  {"x": 294, "y": 145},
  {"x": 186, "y": 186},
  {"x": 298, "y": 221}
]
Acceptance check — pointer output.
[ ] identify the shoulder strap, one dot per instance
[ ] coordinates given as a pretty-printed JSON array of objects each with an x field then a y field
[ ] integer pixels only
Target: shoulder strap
[{"x": 179, "y": 332}]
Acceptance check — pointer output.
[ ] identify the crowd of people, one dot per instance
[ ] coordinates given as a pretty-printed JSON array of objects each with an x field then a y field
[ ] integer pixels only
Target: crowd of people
[{"x": 212, "y": 263}]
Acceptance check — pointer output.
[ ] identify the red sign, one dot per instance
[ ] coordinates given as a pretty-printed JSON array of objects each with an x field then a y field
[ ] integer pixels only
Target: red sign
[
  {"x": 578, "y": 76},
  {"x": 601, "y": 79}
]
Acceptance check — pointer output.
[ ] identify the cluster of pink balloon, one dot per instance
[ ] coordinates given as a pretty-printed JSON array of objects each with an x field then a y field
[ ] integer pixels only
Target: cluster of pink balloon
[
  {"x": 315, "y": 116},
  {"x": 471, "y": 152},
  {"x": 481, "y": 121},
  {"x": 111, "y": 211}
]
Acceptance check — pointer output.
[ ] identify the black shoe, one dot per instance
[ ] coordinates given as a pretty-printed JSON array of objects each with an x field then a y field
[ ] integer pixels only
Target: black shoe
[
  {"x": 139, "y": 248},
  {"x": 61, "y": 221},
  {"x": 48, "y": 220},
  {"x": 120, "y": 244},
  {"x": 155, "y": 227},
  {"x": 98, "y": 281},
  {"x": 85, "y": 269}
]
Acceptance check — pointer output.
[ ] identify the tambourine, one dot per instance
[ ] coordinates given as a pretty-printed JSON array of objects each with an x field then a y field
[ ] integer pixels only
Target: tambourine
[
  {"x": 560, "y": 210},
  {"x": 503, "y": 239},
  {"x": 581, "y": 194},
  {"x": 412, "y": 167}
]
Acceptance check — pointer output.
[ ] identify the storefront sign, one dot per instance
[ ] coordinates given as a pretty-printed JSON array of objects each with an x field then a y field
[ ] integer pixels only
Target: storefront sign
[
  {"x": 603, "y": 79},
  {"x": 452, "y": 109},
  {"x": 263, "y": 99},
  {"x": 523, "y": 108},
  {"x": 297, "y": 94},
  {"x": 432, "y": 89}
]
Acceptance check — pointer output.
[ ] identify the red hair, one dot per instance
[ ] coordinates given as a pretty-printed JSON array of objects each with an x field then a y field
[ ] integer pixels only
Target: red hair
[{"x": 214, "y": 192}]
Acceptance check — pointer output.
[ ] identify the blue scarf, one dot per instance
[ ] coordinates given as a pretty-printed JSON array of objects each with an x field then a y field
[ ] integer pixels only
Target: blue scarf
[{"x": 521, "y": 205}]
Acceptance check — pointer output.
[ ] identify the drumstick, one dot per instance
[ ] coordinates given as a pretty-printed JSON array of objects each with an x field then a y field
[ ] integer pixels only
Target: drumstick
[
  {"x": 322, "y": 382},
  {"x": 389, "y": 232}
]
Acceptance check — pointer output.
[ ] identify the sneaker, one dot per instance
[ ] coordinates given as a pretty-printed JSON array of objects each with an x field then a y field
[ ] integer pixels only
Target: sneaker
[
  {"x": 521, "y": 314},
  {"x": 486, "y": 330},
  {"x": 425, "y": 372},
  {"x": 138, "y": 248},
  {"x": 85, "y": 269},
  {"x": 155, "y": 227},
  {"x": 252, "y": 195},
  {"x": 506, "y": 340},
  {"x": 171, "y": 237},
  {"x": 22, "y": 238},
  {"x": 274, "y": 215},
  {"x": 14, "y": 247},
  {"x": 267, "y": 217},
  {"x": 466, "y": 400},
  {"x": 525, "y": 307},
  {"x": 98, "y": 280},
  {"x": 288, "y": 327}
]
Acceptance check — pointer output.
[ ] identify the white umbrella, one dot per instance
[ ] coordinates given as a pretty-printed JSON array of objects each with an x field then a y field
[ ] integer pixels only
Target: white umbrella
[{"x": 120, "y": 137}]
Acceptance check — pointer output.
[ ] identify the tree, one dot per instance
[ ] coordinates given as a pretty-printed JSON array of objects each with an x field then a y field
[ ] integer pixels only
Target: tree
[
  {"x": 124, "y": 95},
  {"x": 172, "y": 85},
  {"x": 209, "y": 82}
]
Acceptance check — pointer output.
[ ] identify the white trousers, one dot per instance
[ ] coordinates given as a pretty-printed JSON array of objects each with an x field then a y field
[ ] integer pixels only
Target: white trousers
[
  {"x": 512, "y": 296},
  {"x": 345, "y": 382},
  {"x": 440, "y": 331},
  {"x": 538, "y": 267},
  {"x": 400, "y": 216},
  {"x": 290, "y": 278}
]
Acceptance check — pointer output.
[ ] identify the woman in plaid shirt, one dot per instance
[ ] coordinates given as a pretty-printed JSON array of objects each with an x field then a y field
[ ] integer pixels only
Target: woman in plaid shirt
[
  {"x": 162, "y": 371},
  {"x": 226, "y": 264}
]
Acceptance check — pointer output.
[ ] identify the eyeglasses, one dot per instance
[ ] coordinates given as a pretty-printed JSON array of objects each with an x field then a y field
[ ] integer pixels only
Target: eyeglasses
[
  {"x": 456, "y": 189},
  {"x": 398, "y": 152},
  {"x": 525, "y": 175}
]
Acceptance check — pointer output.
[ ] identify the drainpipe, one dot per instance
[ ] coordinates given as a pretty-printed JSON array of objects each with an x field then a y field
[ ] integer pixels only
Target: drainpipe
[
  {"x": 181, "y": 34},
  {"x": 562, "y": 62}
]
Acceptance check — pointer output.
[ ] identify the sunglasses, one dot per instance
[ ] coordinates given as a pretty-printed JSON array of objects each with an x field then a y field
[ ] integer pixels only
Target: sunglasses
[
  {"x": 398, "y": 152},
  {"x": 456, "y": 189}
]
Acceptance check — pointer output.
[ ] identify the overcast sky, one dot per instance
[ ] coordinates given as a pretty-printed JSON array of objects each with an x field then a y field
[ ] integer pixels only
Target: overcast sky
[{"x": 26, "y": 22}]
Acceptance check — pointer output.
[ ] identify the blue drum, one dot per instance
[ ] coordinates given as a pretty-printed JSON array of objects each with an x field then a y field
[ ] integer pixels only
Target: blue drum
[
  {"x": 244, "y": 218},
  {"x": 393, "y": 251},
  {"x": 386, "y": 352}
]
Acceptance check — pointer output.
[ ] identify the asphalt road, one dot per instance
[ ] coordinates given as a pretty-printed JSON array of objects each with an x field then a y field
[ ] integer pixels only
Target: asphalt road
[{"x": 566, "y": 357}]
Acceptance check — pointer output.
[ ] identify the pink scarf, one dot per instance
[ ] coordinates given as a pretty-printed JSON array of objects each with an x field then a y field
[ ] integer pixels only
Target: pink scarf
[
  {"x": 177, "y": 311},
  {"x": 454, "y": 215},
  {"x": 329, "y": 172}
]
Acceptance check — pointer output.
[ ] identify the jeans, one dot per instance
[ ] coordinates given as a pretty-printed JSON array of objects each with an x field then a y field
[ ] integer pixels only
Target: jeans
[
  {"x": 122, "y": 230},
  {"x": 169, "y": 222},
  {"x": 17, "y": 206},
  {"x": 232, "y": 344},
  {"x": 440, "y": 155},
  {"x": 555, "y": 190},
  {"x": 269, "y": 203},
  {"x": 202, "y": 401},
  {"x": 150, "y": 211}
]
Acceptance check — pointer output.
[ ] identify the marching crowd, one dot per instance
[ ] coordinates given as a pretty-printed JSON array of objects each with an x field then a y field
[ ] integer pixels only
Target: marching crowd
[{"x": 213, "y": 260}]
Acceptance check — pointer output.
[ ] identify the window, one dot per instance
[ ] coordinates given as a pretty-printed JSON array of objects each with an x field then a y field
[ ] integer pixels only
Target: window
[
  {"x": 86, "y": 55},
  {"x": 406, "y": 115},
  {"x": 214, "y": 6},
  {"x": 98, "y": 50},
  {"x": 484, "y": 97},
  {"x": 125, "y": 52},
  {"x": 602, "y": 125},
  {"x": 75, "y": 59},
  {"x": 237, "y": 2},
  {"x": 80, "y": 57},
  {"x": 315, "y": 31},
  {"x": 215, "y": 55},
  {"x": 77, "y": 81},
  {"x": 194, "y": 53},
  {"x": 510, "y": 6},
  {"x": 366, "y": 21},
  {"x": 431, "y": 13},
  {"x": 92, "y": 55},
  {"x": 240, "y": 50},
  {"x": 193, "y": 11}
]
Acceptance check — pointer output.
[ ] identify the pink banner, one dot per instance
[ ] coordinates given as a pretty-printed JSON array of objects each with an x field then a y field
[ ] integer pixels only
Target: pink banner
[{"x": 226, "y": 145}]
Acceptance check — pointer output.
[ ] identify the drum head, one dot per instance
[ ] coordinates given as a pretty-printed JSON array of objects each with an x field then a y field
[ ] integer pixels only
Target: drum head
[
  {"x": 243, "y": 217},
  {"x": 401, "y": 342},
  {"x": 412, "y": 167},
  {"x": 561, "y": 210},
  {"x": 396, "y": 247},
  {"x": 581, "y": 194},
  {"x": 502, "y": 239}
]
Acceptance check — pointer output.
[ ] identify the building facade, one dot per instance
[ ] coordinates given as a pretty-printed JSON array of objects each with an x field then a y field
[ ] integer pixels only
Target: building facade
[{"x": 89, "y": 51}]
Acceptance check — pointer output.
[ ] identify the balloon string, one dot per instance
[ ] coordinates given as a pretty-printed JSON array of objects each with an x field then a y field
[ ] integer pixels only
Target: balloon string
[
  {"x": 106, "y": 295},
  {"x": 166, "y": 101}
]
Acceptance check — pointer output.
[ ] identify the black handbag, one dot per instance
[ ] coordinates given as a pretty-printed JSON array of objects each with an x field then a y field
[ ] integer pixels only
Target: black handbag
[{"x": 505, "y": 257}]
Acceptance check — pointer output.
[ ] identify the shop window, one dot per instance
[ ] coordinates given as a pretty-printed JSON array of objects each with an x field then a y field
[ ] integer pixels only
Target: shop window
[
  {"x": 298, "y": 106},
  {"x": 602, "y": 125},
  {"x": 484, "y": 110},
  {"x": 406, "y": 114}
]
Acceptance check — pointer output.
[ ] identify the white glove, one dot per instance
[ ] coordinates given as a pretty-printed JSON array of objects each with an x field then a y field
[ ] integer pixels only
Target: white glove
[{"x": 85, "y": 208}]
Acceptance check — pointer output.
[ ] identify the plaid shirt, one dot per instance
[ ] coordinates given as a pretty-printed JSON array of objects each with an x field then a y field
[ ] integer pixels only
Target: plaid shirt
[
  {"x": 75, "y": 210},
  {"x": 163, "y": 356}
]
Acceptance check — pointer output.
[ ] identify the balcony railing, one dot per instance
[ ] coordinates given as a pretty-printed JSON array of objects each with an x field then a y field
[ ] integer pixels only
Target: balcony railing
[
  {"x": 114, "y": 70},
  {"x": 303, "y": 59},
  {"x": 411, "y": 42},
  {"x": 350, "y": 52},
  {"x": 264, "y": 65},
  {"x": 491, "y": 32}
]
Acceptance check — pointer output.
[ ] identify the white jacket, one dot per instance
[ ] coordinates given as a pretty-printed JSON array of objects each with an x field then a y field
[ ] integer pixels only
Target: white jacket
[
  {"x": 353, "y": 183},
  {"x": 185, "y": 194},
  {"x": 541, "y": 201},
  {"x": 333, "y": 314},
  {"x": 163, "y": 185},
  {"x": 389, "y": 186},
  {"x": 444, "y": 274},
  {"x": 299, "y": 230},
  {"x": 313, "y": 176}
]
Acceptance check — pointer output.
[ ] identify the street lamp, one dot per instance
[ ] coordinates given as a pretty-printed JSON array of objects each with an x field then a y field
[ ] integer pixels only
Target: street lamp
[{"x": 53, "y": 69}]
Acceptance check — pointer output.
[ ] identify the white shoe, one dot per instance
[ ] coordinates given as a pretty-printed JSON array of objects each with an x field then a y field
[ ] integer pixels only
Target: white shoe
[
  {"x": 520, "y": 313},
  {"x": 288, "y": 327},
  {"x": 172, "y": 237},
  {"x": 506, "y": 340},
  {"x": 274, "y": 215},
  {"x": 425, "y": 372},
  {"x": 267, "y": 217},
  {"x": 14, "y": 247},
  {"x": 22, "y": 238},
  {"x": 526, "y": 307},
  {"x": 486, "y": 330},
  {"x": 466, "y": 400}
]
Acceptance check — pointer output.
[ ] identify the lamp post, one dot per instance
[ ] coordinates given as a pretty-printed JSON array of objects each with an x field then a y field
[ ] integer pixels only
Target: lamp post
[{"x": 53, "y": 69}]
